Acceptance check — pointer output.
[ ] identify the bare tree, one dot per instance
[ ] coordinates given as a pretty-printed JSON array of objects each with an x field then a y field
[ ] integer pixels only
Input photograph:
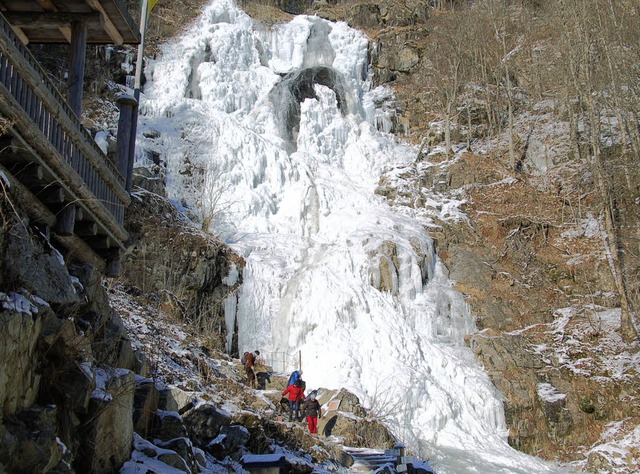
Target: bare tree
[
  {"x": 447, "y": 55},
  {"x": 592, "y": 77}
]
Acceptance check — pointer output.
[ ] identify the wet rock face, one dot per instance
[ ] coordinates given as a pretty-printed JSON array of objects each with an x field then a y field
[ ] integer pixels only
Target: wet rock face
[{"x": 19, "y": 380}]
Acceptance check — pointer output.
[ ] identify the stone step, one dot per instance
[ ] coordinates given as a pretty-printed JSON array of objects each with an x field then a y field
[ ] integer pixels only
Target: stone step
[{"x": 368, "y": 460}]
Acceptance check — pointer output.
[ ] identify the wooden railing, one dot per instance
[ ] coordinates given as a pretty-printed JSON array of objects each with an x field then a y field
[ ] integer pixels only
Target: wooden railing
[{"x": 31, "y": 92}]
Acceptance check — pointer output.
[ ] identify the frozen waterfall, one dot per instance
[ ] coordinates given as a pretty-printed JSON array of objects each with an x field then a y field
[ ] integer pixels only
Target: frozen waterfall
[{"x": 270, "y": 135}]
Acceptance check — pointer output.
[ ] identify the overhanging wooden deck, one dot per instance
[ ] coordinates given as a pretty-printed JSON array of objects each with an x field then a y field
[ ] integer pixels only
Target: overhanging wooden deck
[{"x": 63, "y": 179}]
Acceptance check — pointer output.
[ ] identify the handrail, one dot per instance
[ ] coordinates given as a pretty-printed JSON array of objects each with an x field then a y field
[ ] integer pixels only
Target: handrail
[{"x": 48, "y": 110}]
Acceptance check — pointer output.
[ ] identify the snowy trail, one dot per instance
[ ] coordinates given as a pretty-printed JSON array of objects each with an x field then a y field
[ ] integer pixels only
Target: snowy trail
[{"x": 288, "y": 180}]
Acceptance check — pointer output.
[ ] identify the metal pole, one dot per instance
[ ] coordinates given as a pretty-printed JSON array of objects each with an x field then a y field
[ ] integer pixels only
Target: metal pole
[
  {"x": 300, "y": 360},
  {"x": 139, "y": 61},
  {"x": 144, "y": 14}
]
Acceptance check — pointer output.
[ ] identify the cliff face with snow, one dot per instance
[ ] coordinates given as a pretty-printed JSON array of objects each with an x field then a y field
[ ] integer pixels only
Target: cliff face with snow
[
  {"x": 534, "y": 278},
  {"x": 466, "y": 304}
]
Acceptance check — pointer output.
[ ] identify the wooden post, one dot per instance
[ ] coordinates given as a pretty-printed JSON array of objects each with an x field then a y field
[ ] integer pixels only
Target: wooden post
[
  {"x": 65, "y": 220},
  {"x": 300, "y": 360},
  {"x": 127, "y": 106},
  {"x": 114, "y": 263},
  {"x": 78, "y": 55}
]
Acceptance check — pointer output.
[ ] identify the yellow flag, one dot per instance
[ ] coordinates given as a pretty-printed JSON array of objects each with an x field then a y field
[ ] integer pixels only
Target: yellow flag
[{"x": 152, "y": 3}]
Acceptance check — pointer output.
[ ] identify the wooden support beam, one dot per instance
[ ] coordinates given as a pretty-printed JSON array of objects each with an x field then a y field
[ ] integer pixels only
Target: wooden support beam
[
  {"x": 78, "y": 56},
  {"x": 50, "y": 7},
  {"x": 47, "y": 5},
  {"x": 126, "y": 137},
  {"x": 79, "y": 214},
  {"x": 114, "y": 262},
  {"x": 41, "y": 215},
  {"x": 102, "y": 242},
  {"x": 38, "y": 212},
  {"x": 51, "y": 19},
  {"x": 78, "y": 250},
  {"x": 109, "y": 27},
  {"x": 29, "y": 174},
  {"x": 114, "y": 268},
  {"x": 65, "y": 220},
  {"x": 9, "y": 145},
  {"x": 86, "y": 229},
  {"x": 51, "y": 194}
]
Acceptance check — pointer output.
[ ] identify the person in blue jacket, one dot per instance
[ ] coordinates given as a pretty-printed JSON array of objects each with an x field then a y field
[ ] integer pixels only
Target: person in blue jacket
[{"x": 295, "y": 376}]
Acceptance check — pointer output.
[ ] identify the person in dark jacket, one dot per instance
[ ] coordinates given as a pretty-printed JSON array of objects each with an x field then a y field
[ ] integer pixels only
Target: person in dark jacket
[
  {"x": 296, "y": 393},
  {"x": 311, "y": 409}
]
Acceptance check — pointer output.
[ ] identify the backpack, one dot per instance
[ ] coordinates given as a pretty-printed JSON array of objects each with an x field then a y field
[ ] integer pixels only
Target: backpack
[
  {"x": 295, "y": 375},
  {"x": 243, "y": 359}
]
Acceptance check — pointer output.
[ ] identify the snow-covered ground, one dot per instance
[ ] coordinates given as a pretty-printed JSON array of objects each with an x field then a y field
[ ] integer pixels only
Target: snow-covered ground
[{"x": 334, "y": 275}]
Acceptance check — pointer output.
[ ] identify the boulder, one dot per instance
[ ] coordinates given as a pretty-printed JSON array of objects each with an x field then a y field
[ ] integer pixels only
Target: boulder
[
  {"x": 183, "y": 447},
  {"x": 204, "y": 423},
  {"x": 354, "y": 431},
  {"x": 168, "y": 425},
  {"x": 229, "y": 442},
  {"x": 28, "y": 443}
]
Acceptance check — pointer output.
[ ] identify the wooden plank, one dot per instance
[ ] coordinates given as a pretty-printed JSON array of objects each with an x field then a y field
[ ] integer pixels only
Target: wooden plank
[
  {"x": 50, "y": 194},
  {"x": 102, "y": 242},
  {"x": 109, "y": 27},
  {"x": 51, "y": 19},
  {"x": 29, "y": 174},
  {"x": 86, "y": 229}
]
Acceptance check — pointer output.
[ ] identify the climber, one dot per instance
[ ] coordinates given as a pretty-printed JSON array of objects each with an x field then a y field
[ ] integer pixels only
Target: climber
[{"x": 296, "y": 393}]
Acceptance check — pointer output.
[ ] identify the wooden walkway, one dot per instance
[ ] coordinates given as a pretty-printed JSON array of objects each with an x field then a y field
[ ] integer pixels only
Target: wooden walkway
[{"x": 66, "y": 183}]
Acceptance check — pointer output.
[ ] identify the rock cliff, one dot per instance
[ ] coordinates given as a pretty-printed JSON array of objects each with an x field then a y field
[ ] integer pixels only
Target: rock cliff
[{"x": 529, "y": 257}]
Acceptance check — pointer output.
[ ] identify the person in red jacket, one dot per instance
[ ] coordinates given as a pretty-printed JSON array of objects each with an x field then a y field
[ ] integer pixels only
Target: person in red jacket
[{"x": 296, "y": 393}]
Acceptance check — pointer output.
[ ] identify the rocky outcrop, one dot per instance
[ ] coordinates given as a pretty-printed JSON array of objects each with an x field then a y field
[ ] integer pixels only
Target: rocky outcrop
[
  {"x": 57, "y": 337},
  {"x": 181, "y": 269},
  {"x": 67, "y": 366}
]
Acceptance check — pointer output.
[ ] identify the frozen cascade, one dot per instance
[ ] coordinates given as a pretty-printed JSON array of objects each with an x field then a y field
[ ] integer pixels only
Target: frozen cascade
[{"x": 332, "y": 270}]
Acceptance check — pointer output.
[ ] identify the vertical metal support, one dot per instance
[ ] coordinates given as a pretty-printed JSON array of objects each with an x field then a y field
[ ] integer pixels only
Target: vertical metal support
[
  {"x": 144, "y": 16},
  {"x": 128, "y": 107},
  {"x": 78, "y": 56},
  {"x": 300, "y": 360}
]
